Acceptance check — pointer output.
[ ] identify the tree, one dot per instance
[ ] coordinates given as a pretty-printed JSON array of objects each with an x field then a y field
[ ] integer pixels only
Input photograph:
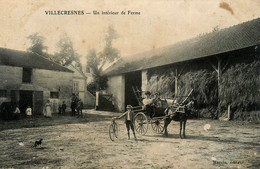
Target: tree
[
  {"x": 95, "y": 62},
  {"x": 37, "y": 46},
  {"x": 66, "y": 53},
  {"x": 215, "y": 29},
  {"x": 109, "y": 54},
  {"x": 92, "y": 62}
]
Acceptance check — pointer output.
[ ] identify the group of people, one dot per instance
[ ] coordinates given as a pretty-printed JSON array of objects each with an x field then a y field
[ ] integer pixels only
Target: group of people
[
  {"x": 11, "y": 111},
  {"x": 76, "y": 106},
  {"x": 150, "y": 104}
]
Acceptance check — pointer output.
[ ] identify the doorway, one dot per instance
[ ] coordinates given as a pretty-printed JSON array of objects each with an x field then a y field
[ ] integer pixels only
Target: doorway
[
  {"x": 26, "y": 99},
  {"x": 133, "y": 79}
]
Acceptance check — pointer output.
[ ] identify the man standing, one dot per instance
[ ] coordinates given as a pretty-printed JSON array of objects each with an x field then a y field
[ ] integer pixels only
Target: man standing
[
  {"x": 79, "y": 108},
  {"x": 129, "y": 120},
  {"x": 73, "y": 106},
  {"x": 63, "y": 108}
]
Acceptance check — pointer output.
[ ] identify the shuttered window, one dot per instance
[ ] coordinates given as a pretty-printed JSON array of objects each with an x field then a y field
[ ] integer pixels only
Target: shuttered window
[
  {"x": 55, "y": 95},
  {"x": 3, "y": 93},
  {"x": 27, "y": 75}
]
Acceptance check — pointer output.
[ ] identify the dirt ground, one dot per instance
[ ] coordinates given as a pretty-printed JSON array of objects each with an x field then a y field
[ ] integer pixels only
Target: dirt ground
[{"x": 70, "y": 142}]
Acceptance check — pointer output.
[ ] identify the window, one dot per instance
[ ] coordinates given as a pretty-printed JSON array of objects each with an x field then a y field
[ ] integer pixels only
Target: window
[
  {"x": 55, "y": 95},
  {"x": 27, "y": 74},
  {"x": 75, "y": 87},
  {"x": 3, "y": 93}
]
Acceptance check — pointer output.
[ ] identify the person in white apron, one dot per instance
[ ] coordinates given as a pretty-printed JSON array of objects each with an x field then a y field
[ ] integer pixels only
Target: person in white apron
[{"x": 47, "y": 111}]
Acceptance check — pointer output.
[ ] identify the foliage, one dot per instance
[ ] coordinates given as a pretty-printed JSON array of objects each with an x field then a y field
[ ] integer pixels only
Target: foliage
[
  {"x": 102, "y": 84},
  {"x": 240, "y": 87},
  {"x": 96, "y": 61},
  {"x": 162, "y": 71},
  {"x": 37, "y": 44},
  {"x": 164, "y": 85},
  {"x": 66, "y": 53},
  {"x": 92, "y": 88},
  {"x": 252, "y": 116},
  {"x": 92, "y": 62},
  {"x": 204, "y": 85},
  {"x": 109, "y": 54},
  {"x": 203, "y": 82}
]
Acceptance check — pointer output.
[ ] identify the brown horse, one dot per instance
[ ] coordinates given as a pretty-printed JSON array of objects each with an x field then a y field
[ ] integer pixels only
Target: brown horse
[{"x": 178, "y": 113}]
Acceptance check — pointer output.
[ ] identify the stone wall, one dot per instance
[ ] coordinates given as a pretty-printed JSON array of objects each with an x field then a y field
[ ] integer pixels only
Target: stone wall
[
  {"x": 10, "y": 76},
  {"x": 54, "y": 81},
  {"x": 116, "y": 86},
  {"x": 41, "y": 80}
]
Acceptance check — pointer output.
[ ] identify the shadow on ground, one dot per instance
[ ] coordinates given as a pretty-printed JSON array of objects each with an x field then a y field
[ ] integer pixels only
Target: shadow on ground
[{"x": 56, "y": 119}]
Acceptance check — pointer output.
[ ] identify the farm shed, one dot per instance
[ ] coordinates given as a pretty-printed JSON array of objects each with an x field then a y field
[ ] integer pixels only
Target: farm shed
[
  {"x": 215, "y": 51},
  {"x": 28, "y": 79}
]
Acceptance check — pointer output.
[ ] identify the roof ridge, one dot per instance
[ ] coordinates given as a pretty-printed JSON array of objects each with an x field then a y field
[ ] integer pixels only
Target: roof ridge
[
  {"x": 231, "y": 38},
  {"x": 14, "y": 52},
  {"x": 194, "y": 37},
  {"x": 48, "y": 59},
  {"x": 78, "y": 70}
]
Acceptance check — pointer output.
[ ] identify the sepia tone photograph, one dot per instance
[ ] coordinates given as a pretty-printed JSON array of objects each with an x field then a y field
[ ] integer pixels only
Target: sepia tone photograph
[{"x": 112, "y": 84}]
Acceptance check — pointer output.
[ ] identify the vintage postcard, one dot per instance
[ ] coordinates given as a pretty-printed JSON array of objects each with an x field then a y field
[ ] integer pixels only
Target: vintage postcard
[{"x": 129, "y": 84}]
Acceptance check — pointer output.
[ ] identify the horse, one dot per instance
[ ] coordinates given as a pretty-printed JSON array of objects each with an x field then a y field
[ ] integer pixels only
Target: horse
[{"x": 178, "y": 113}]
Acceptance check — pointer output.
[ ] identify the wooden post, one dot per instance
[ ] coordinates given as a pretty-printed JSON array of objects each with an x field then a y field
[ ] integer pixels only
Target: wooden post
[
  {"x": 177, "y": 76},
  {"x": 97, "y": 101},
  {"x": 219, "y": 81},
  {"x": 33, "y": 103},
  {"x": 228, "y": 112},
  {"x": 219, "y": 69},
  {"x": 176, "y": 82}
]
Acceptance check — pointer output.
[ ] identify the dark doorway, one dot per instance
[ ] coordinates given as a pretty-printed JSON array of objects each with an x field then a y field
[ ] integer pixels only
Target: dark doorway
[
  {"x": 26, "y": 99},
  {"x": 14, "y": 96},
  {"x": 133, "y": 79},
  {"x": 38, "y": 102}
]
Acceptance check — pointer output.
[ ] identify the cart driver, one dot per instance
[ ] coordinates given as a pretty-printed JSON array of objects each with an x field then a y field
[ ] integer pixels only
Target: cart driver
[
  {"x": 149, "y": 103},
  {"x": 148, "y": 99},
  {"x": 129, "y": 120}
]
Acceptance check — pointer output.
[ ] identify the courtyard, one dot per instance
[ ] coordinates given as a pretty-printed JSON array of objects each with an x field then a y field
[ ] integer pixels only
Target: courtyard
[{"x": 71, "y": 142}]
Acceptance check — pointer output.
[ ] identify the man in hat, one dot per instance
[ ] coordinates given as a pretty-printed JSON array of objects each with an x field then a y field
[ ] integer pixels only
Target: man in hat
[{"x": 129, "y": 120}]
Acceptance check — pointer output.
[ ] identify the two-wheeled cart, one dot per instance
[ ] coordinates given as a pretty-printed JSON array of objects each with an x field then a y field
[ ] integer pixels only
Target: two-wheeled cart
[{"x": 156, "y": 114}]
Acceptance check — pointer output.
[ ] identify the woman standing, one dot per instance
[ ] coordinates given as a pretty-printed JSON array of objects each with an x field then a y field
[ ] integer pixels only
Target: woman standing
[{"x": 47, "y": 111}]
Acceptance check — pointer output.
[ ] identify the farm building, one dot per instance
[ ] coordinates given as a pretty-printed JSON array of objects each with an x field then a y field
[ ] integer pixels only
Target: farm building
[
  {"x": 28, "y": 79},
  {"x": 80, "y": 86},
  {"x": 210, "y": 64}
]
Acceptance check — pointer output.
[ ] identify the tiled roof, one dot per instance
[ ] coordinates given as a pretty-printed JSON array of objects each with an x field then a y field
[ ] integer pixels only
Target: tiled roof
[
  {"x": 229, "y": 39},
  {"x": 28, "y": 60}
]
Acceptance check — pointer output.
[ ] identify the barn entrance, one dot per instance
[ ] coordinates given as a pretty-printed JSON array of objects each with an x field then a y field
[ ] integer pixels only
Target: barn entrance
[
  {"x": 132, "y": 79},
  {"x": 26, "y": 99}
]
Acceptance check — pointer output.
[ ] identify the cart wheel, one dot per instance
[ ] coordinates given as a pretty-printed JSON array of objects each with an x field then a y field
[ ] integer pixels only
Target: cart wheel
[
  {"x": 113, "y": 131},
  {"x": 141, "y": 123},
  {"x": 157, "y": 125}
]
